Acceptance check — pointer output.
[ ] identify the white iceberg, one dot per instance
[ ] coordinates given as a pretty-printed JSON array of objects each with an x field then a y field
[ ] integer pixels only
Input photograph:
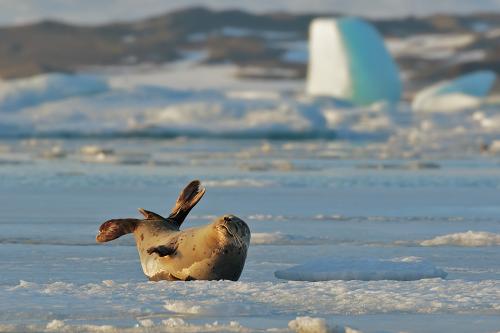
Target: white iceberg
[
  {"x": 348, "y": 60},
  {"x": 464, "y": 92},
  {"x": 365, "y": 269},
  {"x": 469, "y": 239},
  {"x": 21, "y": 93}
]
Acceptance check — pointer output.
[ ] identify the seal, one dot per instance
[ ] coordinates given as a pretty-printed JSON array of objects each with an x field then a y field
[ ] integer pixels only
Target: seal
[{"x": 216, "y": 251}]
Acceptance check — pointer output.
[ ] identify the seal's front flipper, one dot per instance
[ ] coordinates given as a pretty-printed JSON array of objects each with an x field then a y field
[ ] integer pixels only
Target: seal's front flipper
[
  {"x": 113, "y": 229},
  {"x": 188, "y": 198},
  {"x": 163, "y": 250}
]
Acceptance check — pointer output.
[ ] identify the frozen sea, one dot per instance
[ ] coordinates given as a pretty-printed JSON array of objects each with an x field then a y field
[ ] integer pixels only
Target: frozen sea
[
  {"x": 348, "y": 192},
  {"x": 299, "y": 205}
]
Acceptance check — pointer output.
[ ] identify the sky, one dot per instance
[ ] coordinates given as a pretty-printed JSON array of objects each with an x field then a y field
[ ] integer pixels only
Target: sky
[{"x": 101, "y": 11}]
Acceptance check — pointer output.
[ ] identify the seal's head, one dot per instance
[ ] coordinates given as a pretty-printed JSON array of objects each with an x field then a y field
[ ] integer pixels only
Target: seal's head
[{"x": 232, "y": 230}]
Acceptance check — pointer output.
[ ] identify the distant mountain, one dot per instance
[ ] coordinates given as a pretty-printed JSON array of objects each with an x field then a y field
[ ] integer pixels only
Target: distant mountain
[{"x": 246, "y": 39}]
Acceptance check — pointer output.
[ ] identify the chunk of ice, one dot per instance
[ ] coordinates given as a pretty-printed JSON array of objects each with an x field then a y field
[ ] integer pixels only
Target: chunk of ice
[{"x": 366, "y": 269}]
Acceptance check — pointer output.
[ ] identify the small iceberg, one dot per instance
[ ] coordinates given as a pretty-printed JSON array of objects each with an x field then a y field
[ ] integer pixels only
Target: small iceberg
[
  {"x": 365, "y": 269},
  {"x": 21, "y": 93},
  {"x": 465, "y": 92},
  {"x": 348, "y": 60}
]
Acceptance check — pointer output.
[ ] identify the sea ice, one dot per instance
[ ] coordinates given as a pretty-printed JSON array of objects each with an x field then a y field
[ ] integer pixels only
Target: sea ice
[
  {"x": 464, "y": 92},
  {"x": 21, "y": 93},
  {"x": 469, "y": 238},
  {"x": 366, "y": 269},
  {"x": 348, "y": 60}
]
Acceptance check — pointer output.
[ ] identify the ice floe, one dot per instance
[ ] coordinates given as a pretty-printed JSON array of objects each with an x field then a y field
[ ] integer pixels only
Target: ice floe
[
  {"x": 366, "y": 269},
  {"x": 348, "y": 60},
  {"x": 469, "y": 238},
  {"x": 464, "y": 92},
  {"x": 21, "y": 93},
  {"x": 154, "y": 111}
]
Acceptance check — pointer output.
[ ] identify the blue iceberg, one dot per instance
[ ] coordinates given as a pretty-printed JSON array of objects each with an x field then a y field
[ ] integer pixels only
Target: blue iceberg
[{"x": 348, "y": 60}]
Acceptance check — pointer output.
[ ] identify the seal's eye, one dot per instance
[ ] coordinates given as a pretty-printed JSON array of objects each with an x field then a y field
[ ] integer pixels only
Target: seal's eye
[{"x": 227, "y": 219}]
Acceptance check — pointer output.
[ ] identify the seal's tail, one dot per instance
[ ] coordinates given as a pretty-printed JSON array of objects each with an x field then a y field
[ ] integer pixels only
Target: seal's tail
[
  {"x": 188, "y": 198},
  {"x": 113, "y": 229}
]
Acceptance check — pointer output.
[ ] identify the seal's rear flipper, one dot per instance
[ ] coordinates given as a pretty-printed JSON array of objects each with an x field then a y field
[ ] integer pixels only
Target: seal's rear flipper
[
  {"x": 188, "y": 198},
  {"x": 113, "y": 229},
  {"x": 150, "y": 215}
]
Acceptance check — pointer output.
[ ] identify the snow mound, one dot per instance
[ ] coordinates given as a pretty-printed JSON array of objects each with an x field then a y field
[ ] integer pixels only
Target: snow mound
[
  {"x": 316, "y": 325},
  {"x": 183, "y": 307},
  {"x": 469, "y": 238},
  {"x": 366, "y": 269},
  {"x": 20, "y": 93},
  {"x": 464, "y": 92},
  {"x": 348, "y": 60}
]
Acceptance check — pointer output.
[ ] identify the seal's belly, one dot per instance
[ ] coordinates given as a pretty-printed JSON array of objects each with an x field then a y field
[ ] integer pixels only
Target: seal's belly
[
  {"x": 146, "y": 238},
  {"x": 222, "y": 264}
]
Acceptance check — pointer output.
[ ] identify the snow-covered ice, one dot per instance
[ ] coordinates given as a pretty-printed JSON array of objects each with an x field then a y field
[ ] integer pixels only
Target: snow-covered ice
[
  {"x": 348, "y": 60},
  {"x": 247, "y": 110}
]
